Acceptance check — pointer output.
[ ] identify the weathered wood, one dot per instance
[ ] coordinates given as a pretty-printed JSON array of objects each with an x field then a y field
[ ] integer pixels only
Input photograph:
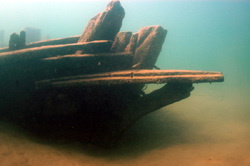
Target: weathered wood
[
  {"x": 122, "y": 39},
  {"x": 96, "y": 114},
  {"x": 134, "y": 77},
  {"x": 105, "y": 25},
  {"x": 77, "y": 90},
  {"x": 18, "y": 77},
  {"x": 14, "y": 42},
  {"x": 168, "y": 94},
  {"x": 132, "y": 43},
  {"x": 148, "y": 47},
  {"x": 59, "y": 66},
  {"x": 4, "y": 49},
  {"x": 80, "y": 64},
  {"x": 66, "y": 40},
  {"x": 98, "y": 46},
  {"x": 59, "y": 41},
  {"x": 65, "y": 65}
]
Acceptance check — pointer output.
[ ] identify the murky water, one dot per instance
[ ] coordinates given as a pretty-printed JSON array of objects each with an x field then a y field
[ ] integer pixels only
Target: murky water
[{"x": 211, "y": 127}]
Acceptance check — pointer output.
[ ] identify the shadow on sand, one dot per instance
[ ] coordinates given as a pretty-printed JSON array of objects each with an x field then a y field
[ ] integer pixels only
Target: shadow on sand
[{"x": 157, "y": 130}]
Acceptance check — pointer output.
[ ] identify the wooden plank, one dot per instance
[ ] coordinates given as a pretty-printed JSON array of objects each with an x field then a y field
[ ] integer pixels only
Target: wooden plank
[
  {"x": 99, "y": 46},
  {"x": 66, "y": 40},
  {"x": 58, "y": 41},
  {"x": 4, "y": 49},
  {"x": 134, "y": 77},
  {"x": 19, "y": 78}
]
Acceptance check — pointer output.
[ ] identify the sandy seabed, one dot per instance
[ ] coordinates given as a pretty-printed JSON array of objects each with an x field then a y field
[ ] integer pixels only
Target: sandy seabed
[{"x": 211, "y": 128}]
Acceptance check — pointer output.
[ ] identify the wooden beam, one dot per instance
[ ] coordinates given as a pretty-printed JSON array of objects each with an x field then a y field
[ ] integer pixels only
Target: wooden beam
[
  {"x": 66, "y": 40},
  {"x": 58, "y": 41},
  {"x": 134, "y": 77},
  {"x": 4, "y": 49},
  {"x": 98, "y": 46},
  {"x": 168, "y": 94}
]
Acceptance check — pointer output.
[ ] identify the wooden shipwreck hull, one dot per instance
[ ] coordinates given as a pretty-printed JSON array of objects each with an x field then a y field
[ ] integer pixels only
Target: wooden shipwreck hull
[{"x": 90, "y": 87}]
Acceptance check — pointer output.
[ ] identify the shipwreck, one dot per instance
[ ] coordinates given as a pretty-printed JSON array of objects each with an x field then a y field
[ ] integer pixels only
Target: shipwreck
[{"x": 90, "y": 87}]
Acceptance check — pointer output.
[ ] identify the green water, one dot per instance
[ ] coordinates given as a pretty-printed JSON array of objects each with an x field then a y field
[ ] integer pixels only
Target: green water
[{"x": 211, "y": 127}]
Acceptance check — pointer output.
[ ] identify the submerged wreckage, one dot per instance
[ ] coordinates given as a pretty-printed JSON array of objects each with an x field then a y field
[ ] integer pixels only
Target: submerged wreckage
[{"x": 90, "y": 87}]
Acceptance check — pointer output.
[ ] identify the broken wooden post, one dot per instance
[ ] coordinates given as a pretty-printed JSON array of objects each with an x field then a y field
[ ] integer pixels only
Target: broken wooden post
[
  {"x": 132, "y": 43},
  {"x": 105, "y": 25},
  {"x": 148, "y": 46},
  {"x": 22, "y": 40},
  {"x": 14, "y": 42},
  {"x": 121, "y": 41}
]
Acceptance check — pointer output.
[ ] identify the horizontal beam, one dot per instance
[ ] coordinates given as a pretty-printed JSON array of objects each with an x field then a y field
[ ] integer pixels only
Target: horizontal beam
[
  {"x": 98, "y": 46},
  {"x": 67, "y": 40},
  {"x": 134, "y": 77},
  {"x": 58, "y": 41}
]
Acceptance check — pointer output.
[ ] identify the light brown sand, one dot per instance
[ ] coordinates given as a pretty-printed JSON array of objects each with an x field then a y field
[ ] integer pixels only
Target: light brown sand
[{"x": 211, "y": 128}]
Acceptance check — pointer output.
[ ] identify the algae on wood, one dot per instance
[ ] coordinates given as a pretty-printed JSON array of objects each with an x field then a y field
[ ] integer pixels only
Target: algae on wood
[
  {"x": 133, "y": 77},
  {"x": 101, "y": 46},
  {"x": 92, "y": 91},
  {"x": 105, "y": 25}
]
